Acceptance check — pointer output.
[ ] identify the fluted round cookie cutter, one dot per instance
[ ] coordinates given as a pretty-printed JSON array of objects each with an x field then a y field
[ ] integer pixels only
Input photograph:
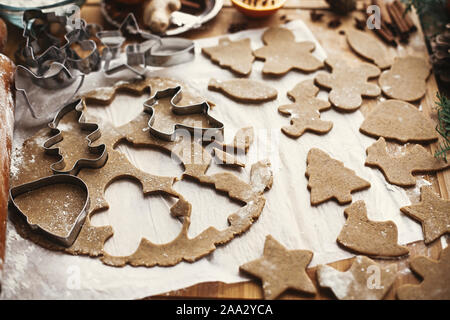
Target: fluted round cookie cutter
[{"x": 71, "y": 235}]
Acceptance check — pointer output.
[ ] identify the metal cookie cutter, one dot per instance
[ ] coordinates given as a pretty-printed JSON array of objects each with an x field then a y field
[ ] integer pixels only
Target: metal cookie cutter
[
  {"x": 98, "y": 162},
  {"x": 202, "y": 108},
  {"x": 69, "y": 236},
  {"x": 154, "y": 51}
]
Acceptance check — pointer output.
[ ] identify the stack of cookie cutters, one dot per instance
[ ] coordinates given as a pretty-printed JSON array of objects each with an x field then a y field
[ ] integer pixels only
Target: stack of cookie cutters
[{"x": 51, "y": 63}]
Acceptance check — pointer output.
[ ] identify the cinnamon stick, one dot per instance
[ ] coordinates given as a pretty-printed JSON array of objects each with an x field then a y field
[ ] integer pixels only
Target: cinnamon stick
[
  {"x": 401, "y": 25},
  {"x": 386, "y": 35},
  {"x": 406, "y": 17},
  {"x": 385, "y": 16}
]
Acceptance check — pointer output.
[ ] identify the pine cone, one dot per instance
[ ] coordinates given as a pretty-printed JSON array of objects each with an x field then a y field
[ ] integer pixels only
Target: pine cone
[
  {"x": 440, "y": 46},
  {"x": 342, "y": 6}
]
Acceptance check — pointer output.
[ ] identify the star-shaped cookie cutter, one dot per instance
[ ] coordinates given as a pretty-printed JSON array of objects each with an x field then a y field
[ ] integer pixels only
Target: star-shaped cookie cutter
[
  {"x": 153, "y": 51},
  {"x": 215, "y": 132},
  {"x": 101, "y": 150}
]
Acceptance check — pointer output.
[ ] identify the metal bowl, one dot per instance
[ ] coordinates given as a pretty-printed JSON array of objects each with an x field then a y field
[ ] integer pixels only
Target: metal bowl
[{"x": 14, "y": 14}]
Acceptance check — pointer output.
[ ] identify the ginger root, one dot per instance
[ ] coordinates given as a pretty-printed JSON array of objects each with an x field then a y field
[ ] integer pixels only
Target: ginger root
[{"x": 157, "y": 14}]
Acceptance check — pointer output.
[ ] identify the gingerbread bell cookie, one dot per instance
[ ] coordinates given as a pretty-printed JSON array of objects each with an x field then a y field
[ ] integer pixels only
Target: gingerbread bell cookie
[
  {"x": 281, "y": 269},
  {"x": 436, "y": 279},
  {"x": 305, "y": 112},
  {"x": 400, "y": 121},
  {"x": 369, "y": 47},
  {"x": 358, "y": 282},
  {"x": 281, "y": 53},
  {"x": 372, "y": 238},
  {"x": 399, "y": 169},
  {"x": 406, "y": 80},
  {"x": 432, "y": 212},
  {"x": 329, "y": 179},
  {"x": 348, "y": 84},
  {"x": 235, "y": 55},
  {"x": 244, "y": 90}
]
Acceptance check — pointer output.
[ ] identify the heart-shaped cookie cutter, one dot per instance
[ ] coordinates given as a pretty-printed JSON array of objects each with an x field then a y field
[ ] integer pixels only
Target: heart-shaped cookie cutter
[
  {"x": 216, "y": 132},
  {"x": 71, "y": 235},
  {"x": 101, "y": 150}
]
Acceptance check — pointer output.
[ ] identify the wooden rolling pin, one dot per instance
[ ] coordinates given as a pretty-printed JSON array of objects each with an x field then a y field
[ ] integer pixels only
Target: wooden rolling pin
[{"x": 6, "y": 133}]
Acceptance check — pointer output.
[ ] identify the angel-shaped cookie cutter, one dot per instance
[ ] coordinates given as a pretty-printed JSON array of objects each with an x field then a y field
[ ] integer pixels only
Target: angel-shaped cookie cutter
[
  {"x": 58, "y": 167},
  {"x": 154, "y": 51},
  {"x": 208, "y": 134},
  {"x": 69, "y": 237}
]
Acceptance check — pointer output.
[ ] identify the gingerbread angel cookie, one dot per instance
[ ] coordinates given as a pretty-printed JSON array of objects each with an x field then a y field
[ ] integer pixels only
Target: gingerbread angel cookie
[
  {"x": 328, "y": 179},
  {"x": 432, "y": 212},
  {"x": 235, "y": 55},
  {"x": 355, "y": 283},
  {"x": 406, "y": 80},
  {"x": 305, "y": 112},
  {"x": 281, "y": 53},
  {"x": 372, "y": 238},
  {"x": 281, "y": 269},
  {"x": 348, "y": 84}
]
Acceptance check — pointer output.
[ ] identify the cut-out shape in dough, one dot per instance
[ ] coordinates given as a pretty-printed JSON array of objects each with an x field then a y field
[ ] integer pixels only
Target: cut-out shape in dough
[
  {"x": 236, "y": 55},
  {"x": 281, "y": 269},
  {"x": 348, "y": 84},
  {"x": 369, "y": 47},
  {"x": 305, "y": 112},
  {"x": 399, "y": 120},
  {"x": 226, "y": 153},
  {"x": 282, "y": 54},
  {"x": 329, "y": 179},
  {"x": 432, "y": 212},
  {"x": 436, "y": 279},
  {"x": 358, "y": 282},
  {"x": 372, "y": 238},
  {"x": 406, "y": 80},
  {"x": 244, "y": 90},
  {"x": 399, "y": 169}
]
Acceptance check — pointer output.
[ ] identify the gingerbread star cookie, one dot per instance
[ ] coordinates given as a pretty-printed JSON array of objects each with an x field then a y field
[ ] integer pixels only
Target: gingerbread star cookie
[
  {"x": 400, "y": 121},
  {"x": 328, "y": 179},
  {"x": 235, "y": 55},
  {"x": 406, "y": 80},
  {"x": 281, "y": 53},
  {"x": 372, "y": 238},
  {"x": 432, "y": 212},
  {"x": 399, "y": 170},
  {"x": 348, "y": 84},
  {"x": 244, "y": 90},
  {"x": 305, "y": 112},
  {"x": 281, "y": 269},
  {"x": 436, "y": 279},
  {"x": 365, "y": 280},
  {"x": 369, "y": 47}
]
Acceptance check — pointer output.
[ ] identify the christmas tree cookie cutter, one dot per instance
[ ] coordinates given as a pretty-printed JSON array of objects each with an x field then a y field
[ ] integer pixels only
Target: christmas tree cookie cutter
[
  {"x": 70, "y": 235},
  {"x": 208, "y": 134},
  {"x": 100, "y": 150}
]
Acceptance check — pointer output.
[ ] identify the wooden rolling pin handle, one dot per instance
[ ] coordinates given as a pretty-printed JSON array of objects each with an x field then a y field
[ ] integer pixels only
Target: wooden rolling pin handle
[{"x": 6, "y": 134}]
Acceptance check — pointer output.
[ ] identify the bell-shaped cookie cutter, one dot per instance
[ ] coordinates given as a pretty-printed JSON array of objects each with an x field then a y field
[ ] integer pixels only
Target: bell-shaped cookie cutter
[
  {"x": 71, "y": 235},
  {"x": 58, "y": 167},
  {"x": 215, "y": 132}
]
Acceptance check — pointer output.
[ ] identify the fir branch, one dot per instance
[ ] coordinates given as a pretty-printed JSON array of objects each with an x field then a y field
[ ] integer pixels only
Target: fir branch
[
  {"x": 432, "y": 13},
  {"x": 443, "y": 126}
]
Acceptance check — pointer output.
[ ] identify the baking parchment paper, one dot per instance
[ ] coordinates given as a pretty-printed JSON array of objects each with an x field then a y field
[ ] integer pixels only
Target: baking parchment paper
[{"x": 32, "y": 272}]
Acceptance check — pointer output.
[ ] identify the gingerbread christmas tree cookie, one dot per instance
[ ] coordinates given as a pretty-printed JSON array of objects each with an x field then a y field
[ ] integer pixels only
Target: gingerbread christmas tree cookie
[
  {"x": 399, "y": 170},
  {"x": 365, "y": 280},
  {"x": 235, "y": 55},
  {"x": 281, "y": 269},
  {"x": 432, "y": 212},
  {"x": 406, "y": 80},
  {"x": 281, "y": 53},
  {"x": 398, "y": 120},
  {"x": 372, "y": 238},
  {"x": 348, "y": 84},
  {"x": 305, "y": 112},
  {"x": 329, "y": 179},
  {"x": 436, "y": 279}
]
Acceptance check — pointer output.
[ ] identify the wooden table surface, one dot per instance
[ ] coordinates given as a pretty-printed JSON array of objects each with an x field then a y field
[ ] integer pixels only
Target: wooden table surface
[{"x": 334, "y": 43}]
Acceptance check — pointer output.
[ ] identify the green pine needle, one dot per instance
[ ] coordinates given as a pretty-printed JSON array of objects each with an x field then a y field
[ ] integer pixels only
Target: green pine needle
[{"x": 443, "y": 126}]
